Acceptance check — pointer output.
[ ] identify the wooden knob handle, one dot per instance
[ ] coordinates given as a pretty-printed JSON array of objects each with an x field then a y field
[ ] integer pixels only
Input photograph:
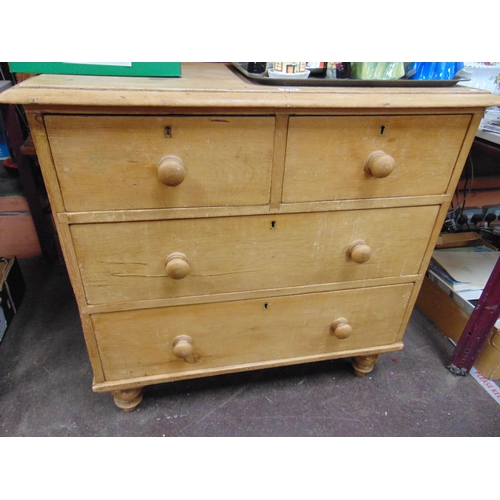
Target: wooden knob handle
[
  {"x": 183, "y": 346},
  {"x": 177, "y": 266},
  {"x": 171, "y": 170},
  {"x": 359, "y": 251},
  {"x": 341, "y": 328},
  {"x": 379, "y": 164}
]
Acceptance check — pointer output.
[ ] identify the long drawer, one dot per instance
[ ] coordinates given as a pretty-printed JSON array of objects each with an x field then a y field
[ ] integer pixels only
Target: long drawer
[
  {"x": 349, "y": 157},
  {"x": 174, "y": 340},
  {"x": 132, "y": 261},
  {"x": 111, "y": 163}
]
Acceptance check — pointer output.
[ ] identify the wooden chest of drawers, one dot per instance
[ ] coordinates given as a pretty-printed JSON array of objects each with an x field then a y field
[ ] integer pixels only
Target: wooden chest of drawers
[{"x": 211, "y": 225}]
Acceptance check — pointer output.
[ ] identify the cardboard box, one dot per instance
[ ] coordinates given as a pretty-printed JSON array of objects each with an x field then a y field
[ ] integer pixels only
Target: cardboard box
[
  {"x": 455, "y": 240},
  {"x": 450, "y": 318},
  {"x": 12, "y": 288},
  {"x": 165, "y": 69}
]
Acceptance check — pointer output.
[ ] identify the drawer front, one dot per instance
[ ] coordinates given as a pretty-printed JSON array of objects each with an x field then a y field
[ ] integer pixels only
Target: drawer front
[
  {"x": 141, "y": 343},
  {"x": 327, "y": 157},
  {"x": 107, "y": 163},
  {"x": 128, "y": 261}
]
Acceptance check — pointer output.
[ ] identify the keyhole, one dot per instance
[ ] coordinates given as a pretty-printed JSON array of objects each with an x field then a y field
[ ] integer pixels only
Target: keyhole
[
  {"x": 266, "y": 305},
  {"x": 273, "y": 224},
  {"x": 168, "y": 132},
  {"x": 382, "y": 130}
]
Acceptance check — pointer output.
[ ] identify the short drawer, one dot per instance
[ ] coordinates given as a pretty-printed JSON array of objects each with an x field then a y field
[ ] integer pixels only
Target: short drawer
[
  {"x": 132, "y": 261},
  {"x": 350, "y": 157},
  {"x": 190, "y": 338},
  {"x": 109, "y": 163}
]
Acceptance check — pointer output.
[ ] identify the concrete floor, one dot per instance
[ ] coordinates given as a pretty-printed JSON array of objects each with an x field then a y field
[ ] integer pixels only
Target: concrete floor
[{"x": 45, "y": 387}]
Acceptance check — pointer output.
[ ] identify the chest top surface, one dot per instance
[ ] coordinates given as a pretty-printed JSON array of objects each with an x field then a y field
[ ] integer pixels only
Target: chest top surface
[{"x": 220, "y": 85}]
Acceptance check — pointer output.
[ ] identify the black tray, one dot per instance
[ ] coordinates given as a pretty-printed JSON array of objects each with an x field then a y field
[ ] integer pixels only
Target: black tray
[{"x": 317, "y": 81}]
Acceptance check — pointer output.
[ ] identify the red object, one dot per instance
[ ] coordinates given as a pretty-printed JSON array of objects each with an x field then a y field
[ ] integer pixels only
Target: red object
[
  {"x": 478, "y": 328},
  {"x": 8, "y": 163}
]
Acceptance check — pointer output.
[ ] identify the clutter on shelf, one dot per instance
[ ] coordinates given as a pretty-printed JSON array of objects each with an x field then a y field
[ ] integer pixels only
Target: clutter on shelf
[
  {"x": 375, "y": 74},
  {"x": 491, "y": 121},
  {"x": 482, "y": 75}
]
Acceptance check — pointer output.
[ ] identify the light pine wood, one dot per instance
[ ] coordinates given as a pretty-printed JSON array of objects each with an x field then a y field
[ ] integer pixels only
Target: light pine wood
[
  {"x": 128, "y": 399},
  {"x": 126, "y": 261},
  {"x": 205, "y": 85},
  {"x": 365, "y": 203},
  {"x": 171, "y": 171},
  {"x": 183, "y": 348},
  {"x": 161, "y": 110},
  {"x": 197, "y": 213},
  {"x": 341, "y": 328},
  {"x": 211, "y": 225},
  {"x": 248, "y": 294},
  {"x": 379, "y": 164},
  {"x": 326, "y": 156},
  {"x": 116, "y": 159},
  {"x": 139, "y": 382},
  {"x": 279, "y": 160},
  {"x": 359, "y": 252},
  {"x": 177, "y": 266},
  {"x": 140, "y": 343},
  {"x": 364, "y": 364}
]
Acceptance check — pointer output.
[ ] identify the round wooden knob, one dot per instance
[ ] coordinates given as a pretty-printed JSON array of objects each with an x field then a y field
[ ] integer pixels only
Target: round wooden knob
[
  {"x": 359, "y": 251},
  {"x": 341, "y": 328},
  {"x": 171, "y": 170},
  {"x": 183, "y": 346},
  {"x": 177, "y": 266},
  {"x": 379, "y": 164}
]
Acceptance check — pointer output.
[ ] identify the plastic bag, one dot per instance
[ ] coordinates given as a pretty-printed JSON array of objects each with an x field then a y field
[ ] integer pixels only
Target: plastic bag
[{"x": 377, "y": 70}]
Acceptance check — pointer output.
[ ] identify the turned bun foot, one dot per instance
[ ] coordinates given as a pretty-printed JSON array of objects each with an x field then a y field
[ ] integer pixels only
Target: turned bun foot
[
  {"x": 128, "y": 400},
  {"x": 364, "y": 364}
]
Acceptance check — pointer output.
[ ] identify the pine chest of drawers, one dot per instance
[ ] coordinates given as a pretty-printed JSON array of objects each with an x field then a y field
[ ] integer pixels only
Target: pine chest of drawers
[{"x": 211, "y": 225}]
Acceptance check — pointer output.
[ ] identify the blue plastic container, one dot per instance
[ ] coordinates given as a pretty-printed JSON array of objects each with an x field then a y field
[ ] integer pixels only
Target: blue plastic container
[
  {"x": 435, "y": 70},
  {"x": 4, "y": 147}
]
